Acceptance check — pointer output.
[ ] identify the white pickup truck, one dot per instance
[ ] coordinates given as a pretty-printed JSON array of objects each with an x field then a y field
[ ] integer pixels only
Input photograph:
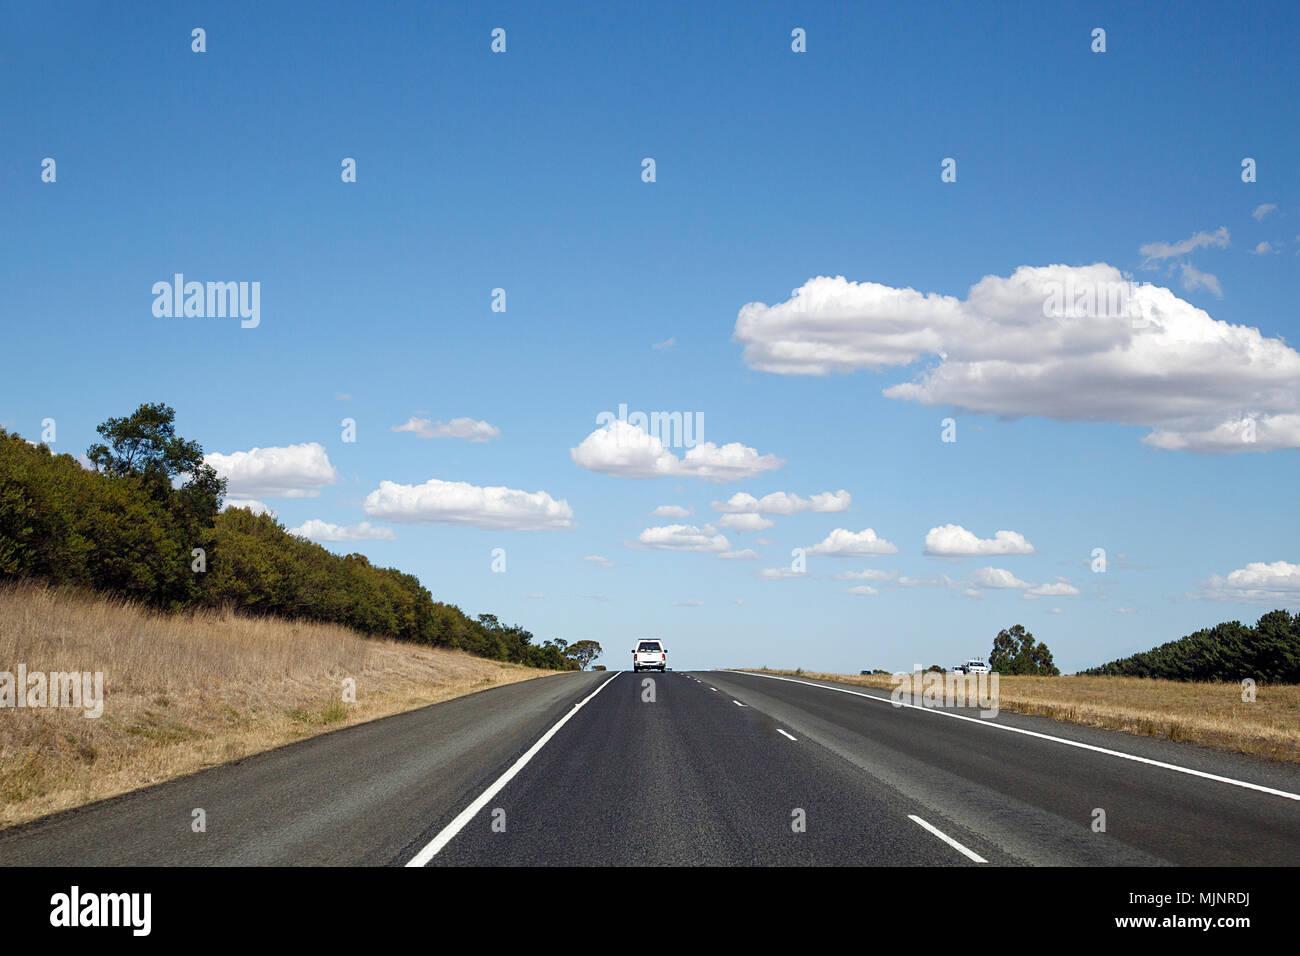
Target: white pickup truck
[{"x": 649, "y": 656}]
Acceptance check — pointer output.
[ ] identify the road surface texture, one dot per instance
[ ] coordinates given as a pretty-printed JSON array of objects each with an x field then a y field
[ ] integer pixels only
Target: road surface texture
[{"x": 715, "y": 768}]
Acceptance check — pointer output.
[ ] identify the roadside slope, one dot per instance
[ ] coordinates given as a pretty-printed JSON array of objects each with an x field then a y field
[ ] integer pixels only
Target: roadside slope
[{"x": 189, "y": 691}]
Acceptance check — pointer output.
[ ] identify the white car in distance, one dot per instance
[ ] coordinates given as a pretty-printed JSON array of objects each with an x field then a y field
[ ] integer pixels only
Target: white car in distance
[{"x": 649, "y": 656}]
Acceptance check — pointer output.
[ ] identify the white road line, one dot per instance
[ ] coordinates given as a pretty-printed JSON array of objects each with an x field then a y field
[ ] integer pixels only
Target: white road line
[
  {"x": 784, "y": 734},
  {"x": 738, "y": 703},
  {"x": 947, "y": 839},
  {"x": 448, "y": 833},
  {"x": 714, "y": 689},
  {"x": 1033, "y": 733}
]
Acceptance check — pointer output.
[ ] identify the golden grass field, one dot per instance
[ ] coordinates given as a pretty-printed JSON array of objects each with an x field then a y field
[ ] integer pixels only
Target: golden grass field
[
  {"x": 1212, "y": 714},
  {"x": 189, "y": 691}
]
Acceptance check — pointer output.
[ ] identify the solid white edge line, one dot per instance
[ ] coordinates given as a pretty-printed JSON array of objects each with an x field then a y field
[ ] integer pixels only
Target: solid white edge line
[
  {"x": 1033, "y": 733},
  {"x": 947, "y": 839},
  {"x": 448, "y": 833},
  {"x": 784, "y": 734},
  {"x": 737, "y": 703}
]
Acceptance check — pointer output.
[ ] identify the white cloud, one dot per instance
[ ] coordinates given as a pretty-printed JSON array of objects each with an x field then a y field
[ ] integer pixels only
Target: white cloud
[
  {"x": 859, "y": 589},
  {"x": 294, "y": 471},
  {"x": 689, "y": 603},
  {"x": 1263, "y": 249},
  {"x": 748, "y": 554},
  {"x": 535, "y": 596},
  {"x": 598, "y": 560},
  {"x": 1263, "y": 209},
  {"x": 952, "y": 540},
  {"x": 626, "y": 451},
  {"x": 1001, "y": 579},
  {"x": 1194, "y": 279},
  {"x": 1160, "y": 251},
  {"x": 318, "y": 530},
  {"x": 683, "y": 537},
  {"x": 665, "y": 344},
  {"x": 469, "y": 429},
  {"x": 671, "y": 511},
  {"x": 842, "y": 543},
  {"x": 1257, "y": 583},
  {"x": 249, "y": 504},
  {"x": 781, "y": 574},
  {"x": 782, "y": 503},
  {"x": 1265, "y": 433},
  {"x": 456, "y": 502},
  {"x": 870, "y": 574},
  {"x": 745, "y": 522},
  {"x": 1057, "y": 588},
  {"x": 998, "y": 578},
  {"x": 1154, "y": 360}
]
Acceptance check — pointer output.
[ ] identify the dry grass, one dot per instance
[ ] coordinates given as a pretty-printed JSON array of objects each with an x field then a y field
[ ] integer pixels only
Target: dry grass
[
  {"x": 1205, "y": 713},
  {"x": 184, "y": 692}
]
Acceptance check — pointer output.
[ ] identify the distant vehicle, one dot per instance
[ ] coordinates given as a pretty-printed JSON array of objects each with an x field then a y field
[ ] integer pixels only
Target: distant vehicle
[
  {"x": 974, "y": 665},
  {"x": 649, "y": 656}
]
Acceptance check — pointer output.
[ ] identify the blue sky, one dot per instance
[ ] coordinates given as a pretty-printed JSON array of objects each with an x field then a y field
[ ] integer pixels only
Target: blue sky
[{"x": 523, "y": 171}]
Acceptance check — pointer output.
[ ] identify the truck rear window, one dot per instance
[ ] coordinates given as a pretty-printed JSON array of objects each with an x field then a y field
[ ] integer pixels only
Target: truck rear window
[{"x": 648, "y": 646}]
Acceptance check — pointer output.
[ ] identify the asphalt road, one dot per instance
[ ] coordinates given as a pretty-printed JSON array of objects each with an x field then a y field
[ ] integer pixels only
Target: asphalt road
[{"x": 714, "y": 768}]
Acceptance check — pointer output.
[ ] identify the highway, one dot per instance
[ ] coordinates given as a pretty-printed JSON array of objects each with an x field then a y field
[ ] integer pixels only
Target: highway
[{"x": 697, "y": 768}]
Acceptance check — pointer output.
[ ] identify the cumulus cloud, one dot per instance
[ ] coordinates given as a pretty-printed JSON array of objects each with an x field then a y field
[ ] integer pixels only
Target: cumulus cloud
[
  {"x": 1070, "y": 343},
  {"x": 671, "y": 511},
  {"x": 1057, "y": 588},
  {"x": 317, "y": 530},
  {"x": 459, "y": 503},
  {"x": 682, "y": 537},
  {"x": 869, "y": 574},
  {"x": 747, "y": 554},
  {"x": 782, "y": 503},
  {"x": 842, "y": 543},
  {"x": 954, "y": 541},
  {"x": 998, "y": 578},
  {"x": 294, "y": 471},
  {"x": 469, "y": 429},
  {"x": 745, "y": 522},
  {"x": 781, "y": 574},
  {"x": 1265, "y": 433},
  {"x": 627, "y": 451},
  {"x": 1263, "y": 209},
  {"x": 249, "y": 504},
  {"x": 599, "y": 561},
  {"x": 1258, "y": 582},
  {"x": 859, "y": 589},
  {"x": 991, "y": 578},
  {"x": 1263, "y": 249}
]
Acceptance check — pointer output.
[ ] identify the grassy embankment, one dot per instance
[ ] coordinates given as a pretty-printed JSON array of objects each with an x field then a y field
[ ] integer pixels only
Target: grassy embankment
[
  {"x": 193, "y": 690},
  {"x": 1207, "y": 713}
]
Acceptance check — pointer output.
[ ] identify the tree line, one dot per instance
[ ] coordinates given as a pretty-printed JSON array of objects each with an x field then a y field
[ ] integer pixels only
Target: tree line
[
  {"x": 146, "y": 524},
  {"x": 1269, "y": 652}
]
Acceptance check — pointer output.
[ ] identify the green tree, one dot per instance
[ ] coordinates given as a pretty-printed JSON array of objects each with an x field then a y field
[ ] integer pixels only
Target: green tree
[
  {"x": 583, "y": 653},
  {"x": 1016, "y": 652}
]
